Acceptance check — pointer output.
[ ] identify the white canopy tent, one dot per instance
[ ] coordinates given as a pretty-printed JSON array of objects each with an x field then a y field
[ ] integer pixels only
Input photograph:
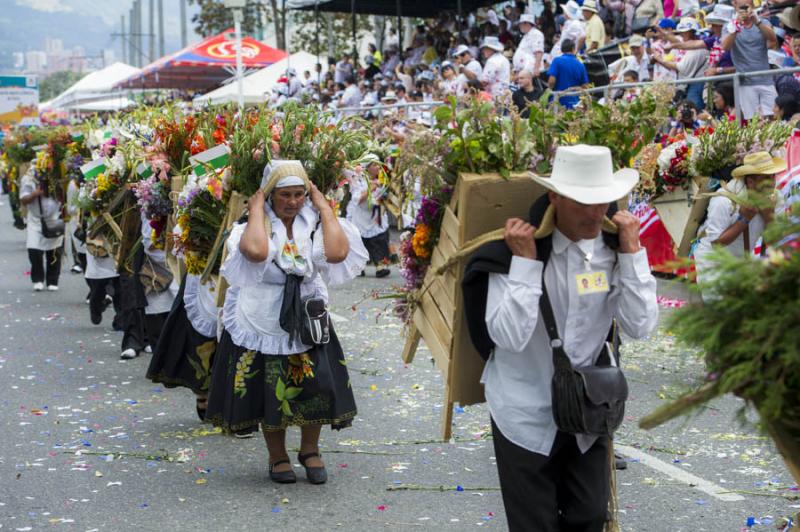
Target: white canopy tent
[
  {"x": 95, "y": 86},
  {"x": 109, "y": 104},
  {"x": 257, "y": 85}
]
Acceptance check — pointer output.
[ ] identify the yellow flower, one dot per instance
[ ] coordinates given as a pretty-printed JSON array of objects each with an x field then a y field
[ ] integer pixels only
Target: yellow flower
[{"x": 419, "y": 242}]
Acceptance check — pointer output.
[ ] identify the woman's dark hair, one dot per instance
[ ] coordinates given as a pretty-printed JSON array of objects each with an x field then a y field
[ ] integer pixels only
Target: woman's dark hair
[
  {"x": 789, "y": 105},
  {"x": 725, "y": 89}
]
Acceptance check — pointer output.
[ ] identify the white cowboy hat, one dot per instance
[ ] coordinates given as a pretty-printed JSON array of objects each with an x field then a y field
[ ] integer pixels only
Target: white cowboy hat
[
  {"x": 721, "y": 14},
  {"x": 572, "y": 10},
  {"x": 589, "y": 5},
  {"x": 687, "y": 24},
  {"x": 585, "y": 174},
  {"x": 389, "y": 96},
  {"x": 462, "y": 48},
  {"x": 527, "y": 18},
  {"x": 492, "y": 43}
]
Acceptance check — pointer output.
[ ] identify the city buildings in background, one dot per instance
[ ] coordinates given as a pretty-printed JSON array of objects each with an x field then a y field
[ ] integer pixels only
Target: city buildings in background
[{"x": 56, "y": 58}]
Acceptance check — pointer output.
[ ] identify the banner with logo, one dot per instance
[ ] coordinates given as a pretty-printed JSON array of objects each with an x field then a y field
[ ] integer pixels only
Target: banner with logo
[{"x": 19, "y": 100}]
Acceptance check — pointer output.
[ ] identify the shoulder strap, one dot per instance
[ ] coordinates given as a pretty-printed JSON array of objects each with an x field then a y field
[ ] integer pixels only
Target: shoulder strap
[{"x": 560, "y": 358}]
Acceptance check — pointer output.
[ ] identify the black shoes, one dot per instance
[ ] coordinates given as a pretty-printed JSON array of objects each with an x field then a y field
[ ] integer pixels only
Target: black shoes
[
  {"x": 315, "y": 475},
  {"x": 380, "y": 274},
  {"x": 282, "y": 477}
]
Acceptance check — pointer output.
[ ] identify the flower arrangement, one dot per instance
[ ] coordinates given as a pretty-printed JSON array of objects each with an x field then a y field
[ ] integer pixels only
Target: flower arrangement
[
  {"x": 673, "y": 167},
  {"x": 152, "y": 195},
  {"x": 200, "y": 211},
  {"x": 249, "y": 153},
  {"x": 724, "y": 144}
]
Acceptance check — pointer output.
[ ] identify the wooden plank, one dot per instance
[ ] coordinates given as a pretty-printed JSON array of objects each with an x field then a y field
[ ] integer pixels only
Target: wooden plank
[
  {"x": 440, "y": 353},
  {"x": 436, "y": 320},
  {"x": 451, "y": 226},
  {"x": 487, "y": 201},
  {"x": 448, "y": 280},
  {"x": 443, "y": 301},
  {"x": 413, "y": 337}
]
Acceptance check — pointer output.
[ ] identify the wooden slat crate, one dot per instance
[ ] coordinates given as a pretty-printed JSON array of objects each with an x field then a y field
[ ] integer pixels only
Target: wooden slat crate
[{"x": 481, "y": 204}]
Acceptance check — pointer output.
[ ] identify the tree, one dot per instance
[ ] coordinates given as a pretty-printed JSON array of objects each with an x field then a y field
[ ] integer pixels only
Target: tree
[
  {"x": 56, "y": 83},
  {"x": 215, "y": 18},
  {"x": 304, "y": 34}
]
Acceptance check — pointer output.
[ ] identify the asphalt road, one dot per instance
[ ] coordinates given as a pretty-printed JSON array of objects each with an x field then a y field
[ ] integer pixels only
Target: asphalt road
[{"x": 88, "y": 444}]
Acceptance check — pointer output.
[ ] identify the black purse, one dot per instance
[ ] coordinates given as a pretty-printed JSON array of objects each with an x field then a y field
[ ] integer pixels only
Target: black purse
[
  {"x": 52, "y": 230},
  {"x": 588, "y": 400},
  {"x": 316, "y": 328}
]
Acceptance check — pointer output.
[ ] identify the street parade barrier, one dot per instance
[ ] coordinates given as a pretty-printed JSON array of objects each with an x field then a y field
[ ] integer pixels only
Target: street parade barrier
[{"x": 478, "y": 211}]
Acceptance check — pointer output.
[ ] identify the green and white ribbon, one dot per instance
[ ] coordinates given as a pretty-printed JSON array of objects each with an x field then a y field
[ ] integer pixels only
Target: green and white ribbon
[
  {"x": 144, "y": 170},
  {"x": 216, "y": 158},
  {"x": 92, "y": 169}
]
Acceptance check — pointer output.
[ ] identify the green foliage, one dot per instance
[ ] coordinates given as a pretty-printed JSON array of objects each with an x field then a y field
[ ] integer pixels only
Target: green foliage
[
  {"x": 305, "y": 34},
  {"x": 58, "y": 82},
  {"x": 214, "y": 17},
  {"x": 482, "y": 140},
  {"x": 248, "y": 151},
  {"x": 750, "y": 327}
]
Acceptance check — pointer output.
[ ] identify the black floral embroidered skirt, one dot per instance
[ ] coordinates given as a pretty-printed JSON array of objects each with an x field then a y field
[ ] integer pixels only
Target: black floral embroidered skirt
[
  {"x": 183, "y": 357},
  {"x": 378, "y": 249},
  {"x": 249, "y": 388}
]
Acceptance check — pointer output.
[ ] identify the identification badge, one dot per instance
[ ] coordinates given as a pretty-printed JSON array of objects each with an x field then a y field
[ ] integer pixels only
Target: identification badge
[{"x": 591, "y": 283}]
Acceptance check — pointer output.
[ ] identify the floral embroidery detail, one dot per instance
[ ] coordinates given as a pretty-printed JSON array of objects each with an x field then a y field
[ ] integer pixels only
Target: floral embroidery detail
[
  {"x": 284, "y": 395},
  {"x": 243, "y": 372},
  {"x": 300, "y": 367},
  {"x": 292, "y": 255}
]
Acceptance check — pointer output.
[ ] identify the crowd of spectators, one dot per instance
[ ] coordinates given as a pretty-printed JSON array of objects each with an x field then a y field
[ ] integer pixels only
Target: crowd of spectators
[{"x": 513, "y": 51}]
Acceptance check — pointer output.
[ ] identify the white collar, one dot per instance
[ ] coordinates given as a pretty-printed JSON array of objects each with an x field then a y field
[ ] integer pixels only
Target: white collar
[{"x": 561, "y": 242}]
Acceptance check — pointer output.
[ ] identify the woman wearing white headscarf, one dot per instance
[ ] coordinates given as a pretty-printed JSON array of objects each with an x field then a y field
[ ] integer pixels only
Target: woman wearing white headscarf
[{"x": 278, "y": 262}]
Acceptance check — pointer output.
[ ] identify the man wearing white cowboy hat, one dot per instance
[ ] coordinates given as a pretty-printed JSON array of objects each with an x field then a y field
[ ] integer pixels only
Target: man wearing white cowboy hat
[
  {"x": 574, "y": 27},
  {"x": 531, "y": 48},
  {"x": 731, "y": 221},
  {"x": 550, "y": 479},
  {"x": 496, "y": 75},
  {"x": 595, "y": 29},
  {"x": 468, "y": 68}
]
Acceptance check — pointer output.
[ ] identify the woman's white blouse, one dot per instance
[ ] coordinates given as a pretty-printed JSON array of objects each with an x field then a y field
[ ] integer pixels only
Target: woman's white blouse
[
  {"x": 200, "y": 304},
  {"x": 252, "y": 305}
]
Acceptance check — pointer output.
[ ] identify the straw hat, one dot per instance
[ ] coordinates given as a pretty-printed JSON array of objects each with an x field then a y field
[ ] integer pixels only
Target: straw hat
[
  {"x": 759, "y": 163},
  {"x": 636, "y": 40},
  {"x": 462, "y": 48},
  {"x": 585, "y": 174},
  {"x": 589, "y": 5},
  {"x": 390, "y": 96},
  {"x": 791, "y": 17}
]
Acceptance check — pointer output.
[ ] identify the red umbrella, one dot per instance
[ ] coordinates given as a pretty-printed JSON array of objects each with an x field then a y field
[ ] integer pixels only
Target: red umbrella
[{"x": 203, "y": 66}]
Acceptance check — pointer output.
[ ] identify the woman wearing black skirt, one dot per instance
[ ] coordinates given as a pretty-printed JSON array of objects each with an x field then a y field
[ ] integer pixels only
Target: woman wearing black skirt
[
  {"x": 184, "y": 354},
  {"x": 291, "y": 245}
]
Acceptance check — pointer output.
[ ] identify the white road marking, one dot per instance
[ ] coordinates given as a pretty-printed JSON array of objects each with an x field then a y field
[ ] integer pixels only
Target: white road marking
[
  {"x": 678, "y": 474},
  {"x": 338, "y": 319}
]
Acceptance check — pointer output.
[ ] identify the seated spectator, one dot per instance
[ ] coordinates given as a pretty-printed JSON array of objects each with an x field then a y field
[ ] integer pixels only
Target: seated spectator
[
  {"x": 691, "y": 65},
  {"x": 724, "y": 107},
  {"x": 468, "y": 68},
  {"x": 566, "y": 72},
  {"x": 787, "y": 107},
  {"x": 527, "y": 93},
  {"x": 449, "y": 84},
  {"x": 748, "y": 38},
  {"x": 637, "y": 61},
  {"x": 375, "y": 53},
  {"x": 631, "y": 93}
]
